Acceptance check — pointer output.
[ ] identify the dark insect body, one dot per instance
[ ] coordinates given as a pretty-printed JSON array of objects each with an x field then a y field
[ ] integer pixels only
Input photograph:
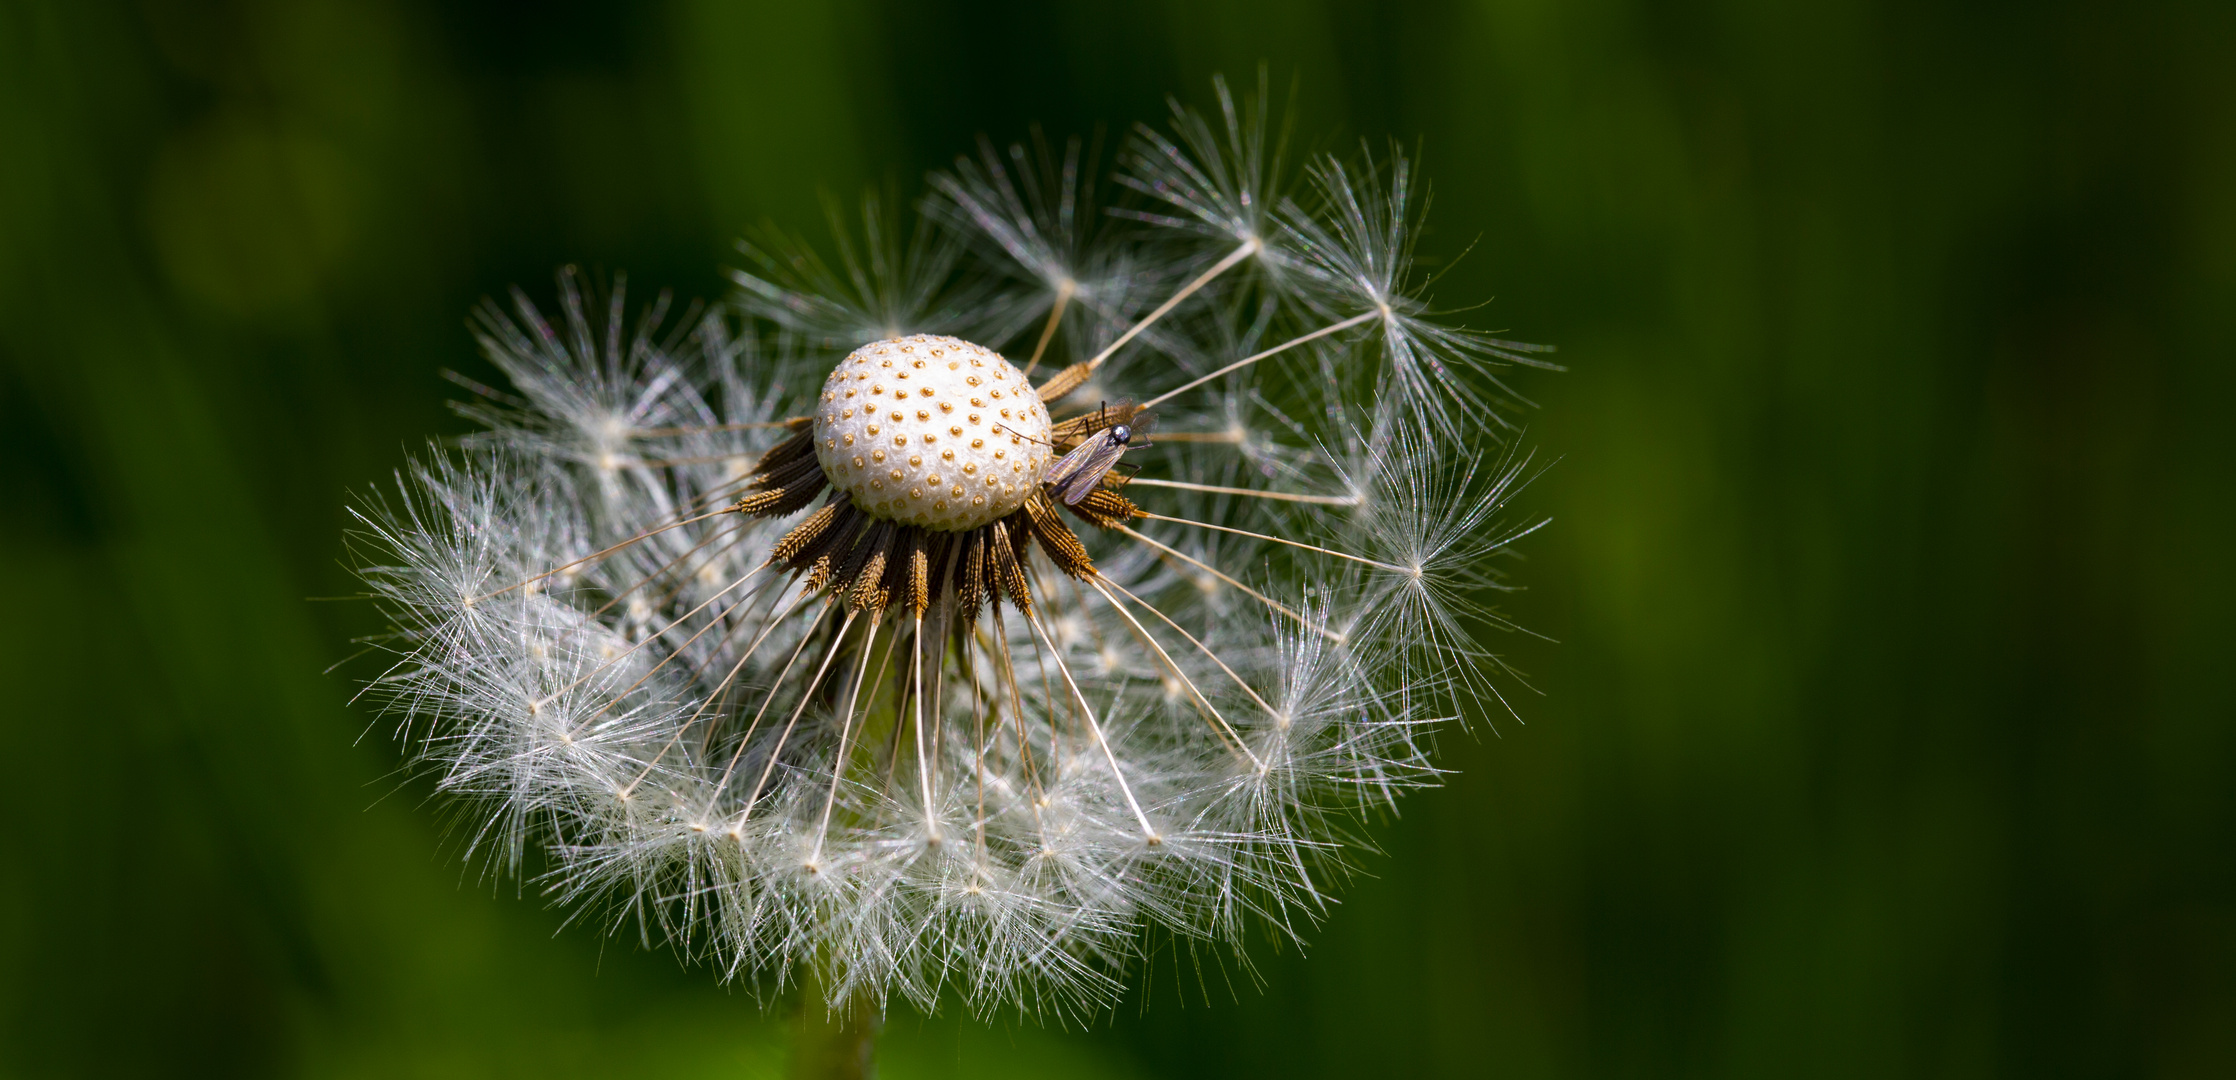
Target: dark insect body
[{"x": 1077, "y": 474}]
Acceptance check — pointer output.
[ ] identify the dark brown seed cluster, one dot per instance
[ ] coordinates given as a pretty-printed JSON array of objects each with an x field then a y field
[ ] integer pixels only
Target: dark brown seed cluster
[{"x": 873, "y": 564}]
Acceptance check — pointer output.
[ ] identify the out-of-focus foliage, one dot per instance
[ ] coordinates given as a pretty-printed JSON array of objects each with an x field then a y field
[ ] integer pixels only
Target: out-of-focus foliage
[{"x": 1890, "y": 732}]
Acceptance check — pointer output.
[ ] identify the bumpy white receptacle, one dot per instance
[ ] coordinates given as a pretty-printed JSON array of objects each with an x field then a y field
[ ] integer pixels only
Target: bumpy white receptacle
[{"x": 932, "y": 431}]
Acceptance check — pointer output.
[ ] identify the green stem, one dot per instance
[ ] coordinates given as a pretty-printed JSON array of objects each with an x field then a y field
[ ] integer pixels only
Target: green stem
[{"x": 834, "y": 1044}]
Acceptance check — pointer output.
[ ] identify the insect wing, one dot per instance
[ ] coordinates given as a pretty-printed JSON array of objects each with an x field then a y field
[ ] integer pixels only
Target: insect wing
[
  {"x": 1066, "y": 470},
  {"x": 1074, "y": 477}
]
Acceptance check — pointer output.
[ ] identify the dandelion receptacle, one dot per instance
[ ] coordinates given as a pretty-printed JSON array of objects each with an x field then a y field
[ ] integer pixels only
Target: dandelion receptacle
[{"x": 823, "y": 633}]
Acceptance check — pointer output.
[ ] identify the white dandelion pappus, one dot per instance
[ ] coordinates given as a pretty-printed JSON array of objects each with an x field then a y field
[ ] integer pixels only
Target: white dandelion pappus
[{"x": 780, "y": 634}]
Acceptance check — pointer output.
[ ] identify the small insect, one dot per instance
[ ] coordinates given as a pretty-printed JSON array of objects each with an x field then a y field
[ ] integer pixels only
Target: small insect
[{"x": 1076, "y": 474}]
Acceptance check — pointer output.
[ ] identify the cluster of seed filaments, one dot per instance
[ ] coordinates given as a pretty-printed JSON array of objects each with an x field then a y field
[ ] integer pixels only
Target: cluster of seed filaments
[{"x": 933, "y": 432}]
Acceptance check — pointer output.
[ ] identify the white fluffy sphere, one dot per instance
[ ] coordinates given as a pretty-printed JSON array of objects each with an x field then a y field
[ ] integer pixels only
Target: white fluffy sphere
[{"x": 932, "y": 431}]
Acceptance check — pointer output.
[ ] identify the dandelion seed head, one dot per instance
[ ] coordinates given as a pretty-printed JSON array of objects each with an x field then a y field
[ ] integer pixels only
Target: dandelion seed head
[
  {"x": 769, "y": 631},
  {"x": 932, "y": 431}
]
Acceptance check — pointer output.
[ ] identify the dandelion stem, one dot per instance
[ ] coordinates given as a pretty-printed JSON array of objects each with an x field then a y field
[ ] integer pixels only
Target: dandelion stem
[{"x": 834, "y": 1042}]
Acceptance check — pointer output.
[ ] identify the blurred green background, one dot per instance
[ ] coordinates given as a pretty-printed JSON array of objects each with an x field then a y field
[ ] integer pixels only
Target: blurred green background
[{"x": 1891, "y": 730}]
